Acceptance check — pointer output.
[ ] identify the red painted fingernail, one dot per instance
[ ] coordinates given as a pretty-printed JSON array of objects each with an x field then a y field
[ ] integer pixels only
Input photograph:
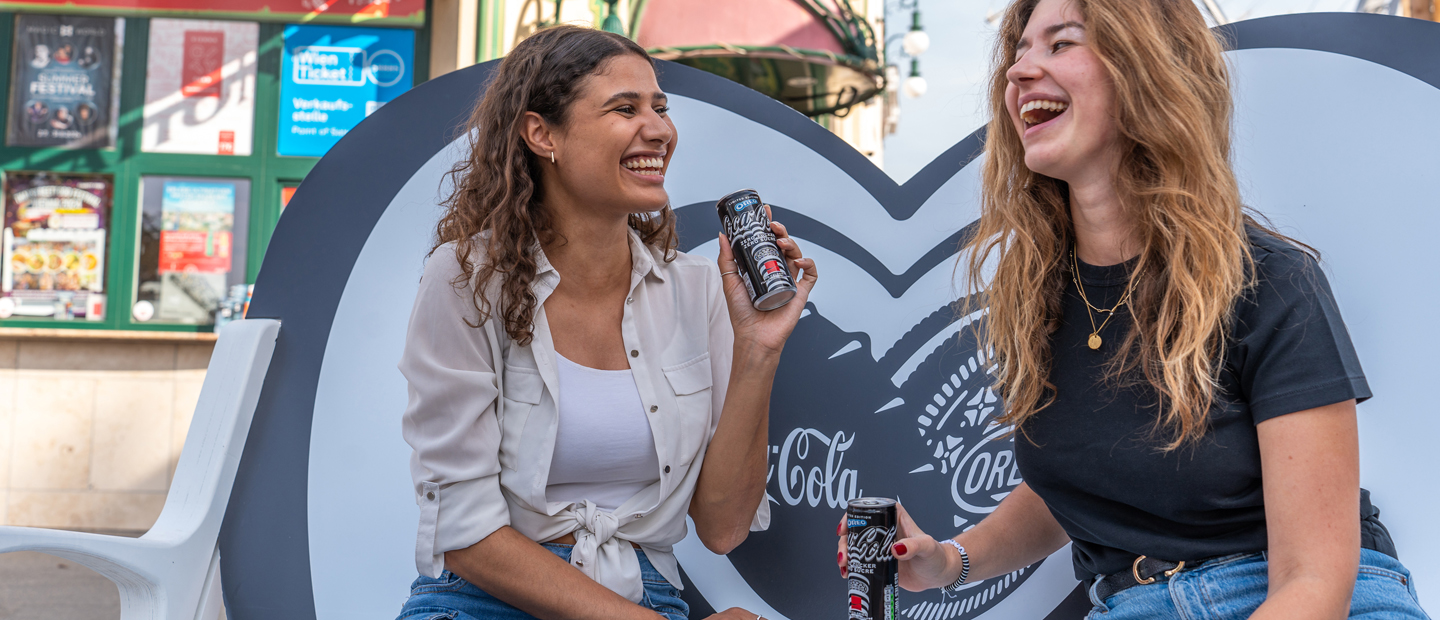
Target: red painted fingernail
[
  {"x": 900, "y": 549},
  {"x": 840, "y": 558},
  {"x": 844, "y": 573},
  {"x": 838, "y": 527}
]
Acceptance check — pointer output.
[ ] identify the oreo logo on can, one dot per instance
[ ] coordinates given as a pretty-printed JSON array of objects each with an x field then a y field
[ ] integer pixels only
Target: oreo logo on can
[{"x": 757, "y": 259}]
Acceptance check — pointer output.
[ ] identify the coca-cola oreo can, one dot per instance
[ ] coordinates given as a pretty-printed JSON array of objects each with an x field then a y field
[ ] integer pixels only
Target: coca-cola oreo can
[
  {"x": 760, "y": 263},
  {"x": 874, "y": 577}
]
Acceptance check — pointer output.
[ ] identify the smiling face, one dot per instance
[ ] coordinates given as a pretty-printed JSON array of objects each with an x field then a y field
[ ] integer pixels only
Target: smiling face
[
  {"x": 1060, "y": 97},
  {"x": 616, "y": 141}
]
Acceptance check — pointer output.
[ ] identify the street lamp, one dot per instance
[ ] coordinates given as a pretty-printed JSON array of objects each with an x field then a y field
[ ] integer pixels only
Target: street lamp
[
  {"x": 912, "y": 44},
  {"x": 916, "y": 41},
  {"x": 915, "y": 85}
]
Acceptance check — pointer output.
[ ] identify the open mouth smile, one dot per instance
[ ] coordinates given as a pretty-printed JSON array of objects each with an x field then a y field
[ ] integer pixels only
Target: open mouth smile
[
  {"x": 1041, "y": 111},
  {"x": 653, "y": 167}
]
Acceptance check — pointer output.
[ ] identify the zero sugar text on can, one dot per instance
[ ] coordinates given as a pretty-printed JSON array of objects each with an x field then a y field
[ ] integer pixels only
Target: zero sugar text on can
[
  {"x": 758, "y": 260},
  {"x": 874, "y": 577}
]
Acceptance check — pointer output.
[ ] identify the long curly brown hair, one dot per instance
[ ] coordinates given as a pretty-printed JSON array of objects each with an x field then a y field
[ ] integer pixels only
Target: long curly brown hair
[{"x": 497, "y": 206}]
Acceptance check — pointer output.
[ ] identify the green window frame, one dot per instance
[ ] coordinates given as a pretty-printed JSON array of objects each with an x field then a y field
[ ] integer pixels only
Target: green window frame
[{"x": 126, "y": 163}]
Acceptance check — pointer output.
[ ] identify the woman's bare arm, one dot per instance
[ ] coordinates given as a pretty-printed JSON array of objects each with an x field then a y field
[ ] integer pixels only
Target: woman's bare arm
[
  {"x": 1019, "y": 533},
  {"x": 1310, "y": 461},
  {"x": 732, "y": 478},
  {"x": 517, "y": 570},
  {"x": 731, "y": 484}
]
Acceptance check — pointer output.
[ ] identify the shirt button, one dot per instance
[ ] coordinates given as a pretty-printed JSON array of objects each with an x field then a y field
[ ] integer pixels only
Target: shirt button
[
  {"x": 653, "y": 408},
  {"x": 634, "y": 353},
  {"x": 667, "y": 469},
  {"x": 629, "y": 299},
  {"x": 430, "y": 496}
]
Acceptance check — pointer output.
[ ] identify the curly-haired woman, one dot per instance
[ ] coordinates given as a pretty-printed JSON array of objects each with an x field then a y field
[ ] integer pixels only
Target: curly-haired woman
[
  {"x": 1181, "y": 381},
  {"x": 577, "y": 387}
]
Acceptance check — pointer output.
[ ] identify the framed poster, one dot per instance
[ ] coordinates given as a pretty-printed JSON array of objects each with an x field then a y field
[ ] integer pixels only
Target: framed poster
[
  {"x": 53, "y": 243},
  {"x": 200, "y": 87},
  {"x": 65, "y": 84},
  {"x": 332, "y": 77},
  {"x": 192, "y": 246},
  {"x": 287, "y": 191}
]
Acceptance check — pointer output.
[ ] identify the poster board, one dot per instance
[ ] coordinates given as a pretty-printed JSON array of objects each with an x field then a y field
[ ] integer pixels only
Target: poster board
[
  {"x": 332, "y": 77},
  {"x": 53, "y": 243},
  {"x": 65, "y": 85},
  {"x": 193, "y": 240},
  {"x": 200, "y": 87}
]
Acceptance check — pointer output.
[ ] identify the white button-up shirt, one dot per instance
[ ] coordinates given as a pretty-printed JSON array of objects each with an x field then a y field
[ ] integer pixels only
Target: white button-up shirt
[{"x": 483, "y": 415}]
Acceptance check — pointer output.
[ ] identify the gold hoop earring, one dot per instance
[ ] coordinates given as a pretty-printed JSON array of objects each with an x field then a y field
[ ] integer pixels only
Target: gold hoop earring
[{"x": 552, "y": 158}]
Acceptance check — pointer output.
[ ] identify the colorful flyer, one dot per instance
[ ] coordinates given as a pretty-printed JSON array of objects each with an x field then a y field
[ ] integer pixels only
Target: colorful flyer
[
  {"x": 192, "y": 247},
  {"x": 332, "y": 77},
  {"x": 53, "y": 242},
  {"x": 66, "y": 81},
  {"x": 196, "y": 222},
  {"x": 200, "y": 87}
]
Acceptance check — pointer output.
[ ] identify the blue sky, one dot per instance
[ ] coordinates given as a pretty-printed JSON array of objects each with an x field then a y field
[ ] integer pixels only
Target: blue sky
[{"x": 956, "y": 65}]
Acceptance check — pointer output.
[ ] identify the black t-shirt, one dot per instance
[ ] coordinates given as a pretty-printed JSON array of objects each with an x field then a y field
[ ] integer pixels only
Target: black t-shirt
[{"x": 1092, "y": 455}]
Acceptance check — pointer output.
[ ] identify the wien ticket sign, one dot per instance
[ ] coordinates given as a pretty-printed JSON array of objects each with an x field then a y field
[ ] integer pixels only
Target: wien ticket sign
[
  {"x": 403, "y": 12},
  {"x": 333, "y": 77}
]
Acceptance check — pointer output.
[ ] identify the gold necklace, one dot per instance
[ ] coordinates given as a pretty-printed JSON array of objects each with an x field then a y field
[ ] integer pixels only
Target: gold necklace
[{"x": 1095, "y": 340}]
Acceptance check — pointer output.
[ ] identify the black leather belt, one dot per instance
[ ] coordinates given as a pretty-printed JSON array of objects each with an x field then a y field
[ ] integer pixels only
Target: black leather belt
[{"x": 1145, "y": 571}]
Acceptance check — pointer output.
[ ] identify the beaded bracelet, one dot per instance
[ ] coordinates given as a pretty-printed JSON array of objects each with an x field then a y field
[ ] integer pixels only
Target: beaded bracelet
[{"x": 964, "y": 566}]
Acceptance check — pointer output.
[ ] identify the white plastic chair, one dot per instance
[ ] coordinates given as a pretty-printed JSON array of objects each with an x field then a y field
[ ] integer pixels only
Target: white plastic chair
[{"x": 173, "y": 571}]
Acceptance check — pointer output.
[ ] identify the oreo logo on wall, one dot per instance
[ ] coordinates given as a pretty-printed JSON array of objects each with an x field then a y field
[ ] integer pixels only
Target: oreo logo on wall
[{"x": 883, "y": 390}]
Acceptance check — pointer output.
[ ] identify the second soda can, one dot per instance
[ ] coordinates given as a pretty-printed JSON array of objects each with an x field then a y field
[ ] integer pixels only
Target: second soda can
[
  {"x": 874, "y": 577},
  {"x": 760, "y": 263}
]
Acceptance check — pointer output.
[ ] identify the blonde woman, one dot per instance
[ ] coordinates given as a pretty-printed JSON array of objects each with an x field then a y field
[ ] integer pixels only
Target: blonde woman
[{"x": 1181, "y": 380}]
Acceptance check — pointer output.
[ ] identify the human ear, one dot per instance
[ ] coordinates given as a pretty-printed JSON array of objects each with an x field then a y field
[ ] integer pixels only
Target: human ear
[{"x": 538, "y": 135}]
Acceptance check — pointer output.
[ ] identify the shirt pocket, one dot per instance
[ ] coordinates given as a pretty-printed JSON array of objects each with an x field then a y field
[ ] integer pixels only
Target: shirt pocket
[
  {"x": 523, "y": 391},
  {"x": 692, "y": 383}
]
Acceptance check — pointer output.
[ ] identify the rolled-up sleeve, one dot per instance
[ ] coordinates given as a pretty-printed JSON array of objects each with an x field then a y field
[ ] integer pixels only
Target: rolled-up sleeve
[
  {"x": 450, "y": 421},
  {"x": 722, "y": 347}
]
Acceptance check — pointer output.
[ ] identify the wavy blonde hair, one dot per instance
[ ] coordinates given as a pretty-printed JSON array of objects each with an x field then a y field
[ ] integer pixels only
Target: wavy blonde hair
[{"x": 1177, "y": 187}]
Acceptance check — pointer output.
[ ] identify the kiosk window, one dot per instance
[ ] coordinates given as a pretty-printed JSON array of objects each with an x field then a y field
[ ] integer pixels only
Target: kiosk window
[{"x": 192, "y": 247}]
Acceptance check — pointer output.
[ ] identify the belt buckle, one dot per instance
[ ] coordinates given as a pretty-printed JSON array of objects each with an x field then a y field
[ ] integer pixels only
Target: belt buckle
[{"x": 1135, "y": 572}]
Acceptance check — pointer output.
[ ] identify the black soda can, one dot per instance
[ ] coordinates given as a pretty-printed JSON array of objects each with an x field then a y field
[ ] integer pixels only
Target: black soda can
[
  {"x": 758, "y": 260},
  {"x": 874, "y": 576}
]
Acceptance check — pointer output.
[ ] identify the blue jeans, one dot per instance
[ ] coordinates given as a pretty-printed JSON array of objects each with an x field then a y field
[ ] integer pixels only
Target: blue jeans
[
  {"x": 451, "y": 598},
  {"x": 1234, "y": 586}
]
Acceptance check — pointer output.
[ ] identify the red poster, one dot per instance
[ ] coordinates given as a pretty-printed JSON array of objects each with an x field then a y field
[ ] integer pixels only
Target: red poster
[
  {"x": 194, "y": 251},
  {"x": 203, "y": 58}
]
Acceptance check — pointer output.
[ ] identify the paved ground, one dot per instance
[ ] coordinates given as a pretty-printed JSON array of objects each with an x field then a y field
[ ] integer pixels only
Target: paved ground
[{"x": 35, "y": 586}]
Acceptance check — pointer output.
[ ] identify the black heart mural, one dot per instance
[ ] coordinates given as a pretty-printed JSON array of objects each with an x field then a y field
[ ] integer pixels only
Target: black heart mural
[{"x": 883, "y": 390}]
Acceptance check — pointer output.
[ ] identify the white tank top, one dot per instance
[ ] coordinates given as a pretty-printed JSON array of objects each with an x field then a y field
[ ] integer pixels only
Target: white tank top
[{"x": 604, "y": 450}]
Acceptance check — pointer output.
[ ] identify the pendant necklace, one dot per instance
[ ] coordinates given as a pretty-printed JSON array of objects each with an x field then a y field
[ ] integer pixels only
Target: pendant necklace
[{"x": 1095, "y": 341}]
